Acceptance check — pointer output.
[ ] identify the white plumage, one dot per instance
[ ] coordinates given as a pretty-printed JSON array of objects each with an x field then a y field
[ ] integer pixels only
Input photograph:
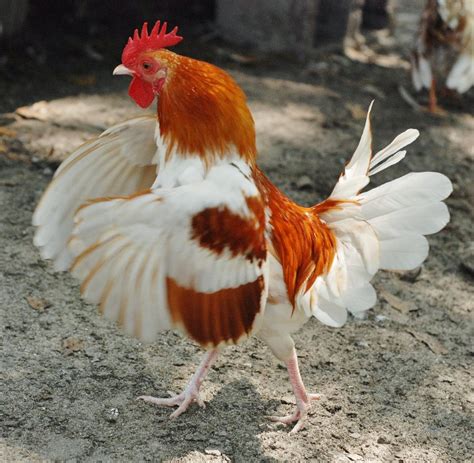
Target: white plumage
[
  {"x": 382, "y": 228},
  {"x": 121, "y": 161},
  {"x": 126, "y": 248}
]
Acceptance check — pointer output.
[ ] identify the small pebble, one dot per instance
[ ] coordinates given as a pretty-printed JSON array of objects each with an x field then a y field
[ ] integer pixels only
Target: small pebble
[
  {"x": 383, "y": 440},
  {"x": 362, "y": 343},
  {"x": 112, "y": 415},
  {"x": 354, "y": 457},
  {"x": 446, "y": 379},
  {"x": 304, "y": 183},
  {"x": 411, "y": 275},
  {"x": 287, "y": 400}
]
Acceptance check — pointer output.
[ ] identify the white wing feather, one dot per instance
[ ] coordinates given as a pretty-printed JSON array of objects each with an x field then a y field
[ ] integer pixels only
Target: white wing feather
[
  {"x": 126, "y": 248},
  {"x": 121, "y": 161}
]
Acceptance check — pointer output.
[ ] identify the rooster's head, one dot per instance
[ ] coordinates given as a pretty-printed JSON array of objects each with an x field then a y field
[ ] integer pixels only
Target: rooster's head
[{"x": 148, "y": 62}]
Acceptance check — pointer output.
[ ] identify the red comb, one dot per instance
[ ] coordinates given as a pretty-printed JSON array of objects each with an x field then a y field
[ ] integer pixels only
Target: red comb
[{"x": 157, "y": 38}]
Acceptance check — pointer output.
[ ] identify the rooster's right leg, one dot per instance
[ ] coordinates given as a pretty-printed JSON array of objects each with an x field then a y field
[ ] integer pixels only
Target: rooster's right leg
[
  {"x": 191, "y": 392},
  {"x": 302, "y": 397},
  {"x": 283, "y": 347},
  {"x": 433, "y": 101}
]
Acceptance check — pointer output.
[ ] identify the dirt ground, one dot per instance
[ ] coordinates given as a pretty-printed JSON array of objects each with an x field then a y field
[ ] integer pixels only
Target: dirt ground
[{"x": 396, "y": 386}]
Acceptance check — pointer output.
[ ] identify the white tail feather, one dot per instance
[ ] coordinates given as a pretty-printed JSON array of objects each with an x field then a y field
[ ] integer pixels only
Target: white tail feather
[
  {"x": 404, "y": 253},
  {"x": 398, "y": 143},
  {"x": 382, "y": 228},
  {"x": 359, "y": 163},
  {"x": 397, "y": 157}
]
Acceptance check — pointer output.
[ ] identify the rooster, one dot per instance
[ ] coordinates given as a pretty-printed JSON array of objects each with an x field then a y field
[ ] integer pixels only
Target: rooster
[
  {"x": 444, "y": 48},
  {"x": 169, "y": 223}
]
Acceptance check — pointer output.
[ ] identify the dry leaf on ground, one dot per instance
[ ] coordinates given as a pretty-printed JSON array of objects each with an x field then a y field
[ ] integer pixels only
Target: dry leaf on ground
[{"x": 37, "y": 303}]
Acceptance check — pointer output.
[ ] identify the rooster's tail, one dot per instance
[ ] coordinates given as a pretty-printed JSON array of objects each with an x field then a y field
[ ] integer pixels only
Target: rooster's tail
[{"x": 382, "y": 228}]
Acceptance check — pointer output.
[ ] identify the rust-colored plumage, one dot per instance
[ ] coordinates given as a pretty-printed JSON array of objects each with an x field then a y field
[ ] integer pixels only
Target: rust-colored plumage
[
  {"x": 212, "y": 318},
  {"x": 203, "y": 112},
  {"x": 302, "y": 243},
  {"x": 327, "y": 205},
  {"x": 219, "y": 229}
]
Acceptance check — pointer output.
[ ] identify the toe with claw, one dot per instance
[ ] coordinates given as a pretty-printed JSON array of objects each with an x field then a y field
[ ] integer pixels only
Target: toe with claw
[
  {"x": 182, "y": 401},
  {"x": 299, "y": 415},
  {"x": 191, "y": 393}
]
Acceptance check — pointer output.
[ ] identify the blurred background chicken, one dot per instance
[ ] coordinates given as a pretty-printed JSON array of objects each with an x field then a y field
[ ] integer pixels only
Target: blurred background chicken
[
  {"x": 444, "y": 53},
  {"x": 169, "y": 223}
]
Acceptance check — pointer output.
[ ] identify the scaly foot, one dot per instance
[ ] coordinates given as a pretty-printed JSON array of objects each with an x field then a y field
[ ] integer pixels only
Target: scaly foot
[
  {"x": 183, "y": 400},
  {"x": 191, "y": 393},
  {"x": 435, "y": 110},
  {"x": 299, "y": 415}
]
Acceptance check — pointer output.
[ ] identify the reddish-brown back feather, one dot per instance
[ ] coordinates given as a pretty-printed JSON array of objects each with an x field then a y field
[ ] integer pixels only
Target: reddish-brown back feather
[{"x": 303, "y": 244}]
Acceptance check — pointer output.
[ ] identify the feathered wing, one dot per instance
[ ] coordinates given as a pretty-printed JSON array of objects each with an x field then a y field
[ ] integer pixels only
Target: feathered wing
[
  {"x": 192, "y": 257},
  {"x": 121, "y": 161},
  {"x": 382, "y": 228}
]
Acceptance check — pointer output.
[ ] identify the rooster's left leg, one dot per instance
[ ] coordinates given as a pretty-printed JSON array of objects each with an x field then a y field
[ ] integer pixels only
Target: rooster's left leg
[
  {"x": 303, "y": 398},
  {"x": 191, "y": 392}
]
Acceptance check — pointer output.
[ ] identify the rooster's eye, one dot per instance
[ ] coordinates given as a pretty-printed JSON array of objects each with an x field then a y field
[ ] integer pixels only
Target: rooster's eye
[{"x": 146, "y": 66}]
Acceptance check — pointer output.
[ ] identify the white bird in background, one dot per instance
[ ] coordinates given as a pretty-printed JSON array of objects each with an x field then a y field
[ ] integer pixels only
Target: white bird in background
[{"x": 444, "y": 48}]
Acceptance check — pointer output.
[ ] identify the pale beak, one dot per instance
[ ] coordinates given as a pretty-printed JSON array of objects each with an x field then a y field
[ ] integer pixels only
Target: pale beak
[
  {"x": 161, "y": 74},
  {"x": 121, "y": 70}
]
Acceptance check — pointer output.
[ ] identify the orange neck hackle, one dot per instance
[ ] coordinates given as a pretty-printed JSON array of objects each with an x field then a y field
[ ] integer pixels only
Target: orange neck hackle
[{"x": 202, "y": 111}]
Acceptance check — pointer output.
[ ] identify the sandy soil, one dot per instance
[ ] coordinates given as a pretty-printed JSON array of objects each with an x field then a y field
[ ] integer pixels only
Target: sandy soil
[{"x": 396, "y": 386}]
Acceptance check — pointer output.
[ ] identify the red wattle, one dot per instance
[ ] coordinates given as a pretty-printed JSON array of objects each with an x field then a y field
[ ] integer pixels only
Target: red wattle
[{"x": 141, "y": 92}]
